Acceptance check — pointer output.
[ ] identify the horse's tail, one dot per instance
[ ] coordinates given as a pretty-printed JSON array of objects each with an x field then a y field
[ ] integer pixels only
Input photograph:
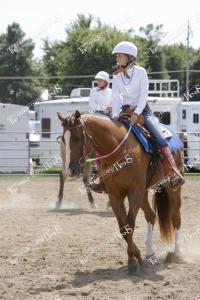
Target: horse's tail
[{"x": 162, "y": 207}]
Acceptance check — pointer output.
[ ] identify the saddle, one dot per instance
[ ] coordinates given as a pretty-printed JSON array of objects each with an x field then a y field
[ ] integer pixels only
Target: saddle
[
  {"x": 158, "y": 167},
  {"x": 127, "y": 112}
]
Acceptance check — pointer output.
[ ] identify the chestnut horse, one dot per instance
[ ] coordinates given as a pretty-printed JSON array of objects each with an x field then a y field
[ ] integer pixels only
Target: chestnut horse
[
  {"x": 105, "y": 135},
  {"x": 71, "y": 150}
]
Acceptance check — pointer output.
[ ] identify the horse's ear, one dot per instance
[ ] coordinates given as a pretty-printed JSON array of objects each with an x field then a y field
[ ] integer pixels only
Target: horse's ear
[
  {"x": 77, "y": 114},
  {"x": 60, "y": 117}
]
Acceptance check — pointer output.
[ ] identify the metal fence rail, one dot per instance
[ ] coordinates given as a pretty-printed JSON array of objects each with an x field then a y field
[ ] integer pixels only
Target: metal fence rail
[{"x": 49, "y": 155}]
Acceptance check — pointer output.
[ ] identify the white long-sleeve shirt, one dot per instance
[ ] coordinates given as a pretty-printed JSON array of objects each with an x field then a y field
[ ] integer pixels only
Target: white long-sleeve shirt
[
  {"x": 100, "y": 100},
  {"x": 130, "y": 91}
]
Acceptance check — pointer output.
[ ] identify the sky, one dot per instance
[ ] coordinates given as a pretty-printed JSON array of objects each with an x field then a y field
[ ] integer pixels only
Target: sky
[{"x": 41, "y": 18}]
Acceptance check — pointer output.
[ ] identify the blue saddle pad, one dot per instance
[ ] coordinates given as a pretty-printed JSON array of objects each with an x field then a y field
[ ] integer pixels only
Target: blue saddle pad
[{"x": 173, "y": 141}]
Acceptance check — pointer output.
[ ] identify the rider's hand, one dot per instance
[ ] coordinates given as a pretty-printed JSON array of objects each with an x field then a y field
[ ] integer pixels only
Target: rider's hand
[
  {"x": 134, "y": 118},
  {"x": 109, "y": 109}
]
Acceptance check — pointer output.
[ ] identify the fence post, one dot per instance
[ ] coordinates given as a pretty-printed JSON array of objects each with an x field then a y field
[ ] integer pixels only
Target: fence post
[{"x": 29, "y": 154}]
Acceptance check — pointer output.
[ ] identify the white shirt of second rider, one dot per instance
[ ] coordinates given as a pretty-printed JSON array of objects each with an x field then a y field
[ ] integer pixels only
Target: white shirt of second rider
[{"x": 100, "y": 99}]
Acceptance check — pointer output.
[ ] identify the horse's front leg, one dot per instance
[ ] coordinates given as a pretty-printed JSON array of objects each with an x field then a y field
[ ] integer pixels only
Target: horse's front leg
[
  {"x": 61, "y": 188},
  {"x": 135, "y": 201},
  {"x": 126, "y": 230},
  {"x": 87, "y": 171}
]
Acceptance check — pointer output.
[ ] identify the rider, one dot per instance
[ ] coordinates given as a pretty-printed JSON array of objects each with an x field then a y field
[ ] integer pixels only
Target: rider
[
  {"x": 130, "y": 92},
  {"x": 101, "y": 96}
]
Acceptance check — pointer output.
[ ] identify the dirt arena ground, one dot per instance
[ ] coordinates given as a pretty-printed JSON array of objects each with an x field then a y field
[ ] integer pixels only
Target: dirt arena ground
[{"x": 40, "y": 247}]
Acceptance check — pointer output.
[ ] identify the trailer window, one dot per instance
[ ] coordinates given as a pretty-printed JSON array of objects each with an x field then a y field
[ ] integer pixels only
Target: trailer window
[
  {"x": 195, "y": 118},
  {"x": 164, "y": 117},
  {"x": 85, "y": 93},
  {"x": 46, "y": 127},
  {"x": 184, "y": 114}
]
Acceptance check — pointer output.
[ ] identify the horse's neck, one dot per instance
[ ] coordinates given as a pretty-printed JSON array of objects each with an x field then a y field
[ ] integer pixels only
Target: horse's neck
[{"x": 100, "y": 132}]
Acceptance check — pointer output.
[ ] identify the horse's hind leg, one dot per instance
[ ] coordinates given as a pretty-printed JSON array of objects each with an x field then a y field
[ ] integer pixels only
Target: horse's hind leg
[
  {"x": 61, "y": 188},
  {"x": 150, "y": 218}
]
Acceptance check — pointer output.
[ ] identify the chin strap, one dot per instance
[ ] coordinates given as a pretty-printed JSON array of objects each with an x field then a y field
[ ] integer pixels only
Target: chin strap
[{"x": 123, "y": 69}]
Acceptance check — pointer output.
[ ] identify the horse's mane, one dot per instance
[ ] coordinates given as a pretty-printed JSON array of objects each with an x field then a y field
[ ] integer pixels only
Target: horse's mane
[{"x": 87, "y": 115}]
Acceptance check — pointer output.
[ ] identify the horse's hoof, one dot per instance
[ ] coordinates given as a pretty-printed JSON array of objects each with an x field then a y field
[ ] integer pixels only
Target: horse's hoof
[
  {"x": 134, "y": 269},
  {"x": 58, "y": 205},
  {"x": 93, "y": 205},
  {"x": 150, "y": 255},
  {"x": 150, "y": 259},
  {"x": 174, "y": 257},
  {"x": 108, "y": 205},
  {"x": 178, "y": 252}
]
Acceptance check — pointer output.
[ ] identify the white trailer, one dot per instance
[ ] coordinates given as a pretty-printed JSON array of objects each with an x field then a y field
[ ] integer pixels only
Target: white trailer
[
  {"x": 190, "y": 123},
  {"x": 34, "y": 138},
  {"x": 80, "y": 93},
  {"x": 49, "y": 126},
  {"x": 168, "y": 111},
  {"x": 14, "y": 145},
  {"x": 158, "y": 87}
]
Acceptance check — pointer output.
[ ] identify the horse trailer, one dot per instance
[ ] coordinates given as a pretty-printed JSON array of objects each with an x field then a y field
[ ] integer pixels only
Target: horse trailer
[
  {"x": 190, "y": 123},
  {"x": 14, "y": 142},
  {"x": 49, "y": 127}
]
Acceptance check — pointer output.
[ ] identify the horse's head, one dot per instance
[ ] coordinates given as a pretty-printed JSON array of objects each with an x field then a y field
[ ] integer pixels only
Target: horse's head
[{"x": 73, "y": 139}]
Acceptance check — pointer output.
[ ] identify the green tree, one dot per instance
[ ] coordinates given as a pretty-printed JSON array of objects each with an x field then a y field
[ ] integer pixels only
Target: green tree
[
  {"x": 67, "y": 58},
  {"x": 174, "y": 61},
  {"x": 195, "y": 77},
  {"x": 16, "y": 59},
  {"x": 152, "y": 51}
]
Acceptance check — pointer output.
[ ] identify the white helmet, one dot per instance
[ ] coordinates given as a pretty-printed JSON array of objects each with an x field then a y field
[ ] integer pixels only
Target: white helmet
[
  {"x": 102, "y": 75},
  {"x": 125, "y": 48}
]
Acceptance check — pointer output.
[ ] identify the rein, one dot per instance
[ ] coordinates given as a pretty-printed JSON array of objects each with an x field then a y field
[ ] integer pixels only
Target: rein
[{"x": 89, "y": 160}]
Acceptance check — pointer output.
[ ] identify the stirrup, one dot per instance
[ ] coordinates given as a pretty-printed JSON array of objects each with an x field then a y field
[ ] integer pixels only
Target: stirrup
[
  {"x": 177, "y": 179},
  {"x": 171, "y": 179}
]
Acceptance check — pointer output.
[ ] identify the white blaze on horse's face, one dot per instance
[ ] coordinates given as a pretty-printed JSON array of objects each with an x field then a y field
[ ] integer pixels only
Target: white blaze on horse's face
[{"x": 67, "y": 151}]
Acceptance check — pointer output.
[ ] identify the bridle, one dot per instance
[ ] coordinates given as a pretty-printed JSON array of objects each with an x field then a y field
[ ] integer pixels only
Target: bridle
[
  {"x": 85, "y": 155},
  {"x": 85, "y": 158}
]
